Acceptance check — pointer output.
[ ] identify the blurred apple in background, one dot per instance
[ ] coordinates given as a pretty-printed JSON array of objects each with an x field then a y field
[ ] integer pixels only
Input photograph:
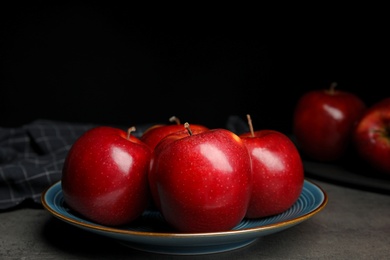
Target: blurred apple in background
[
  {"x": 277, "y": 172},
  {"x": 371, "y": 136},
  {"x": 201, "y": 181},
  {"x": 323, "y": 122},
  {"x": 104, "y": 177},
  {"x": 155, "y": 133}
]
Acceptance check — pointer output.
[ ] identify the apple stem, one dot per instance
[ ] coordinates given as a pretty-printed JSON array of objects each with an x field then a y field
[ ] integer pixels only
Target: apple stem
[
  {"x": 333, "y": 85},
  {"x": 129, "y": 130},
  {"x": 174, "y": 119},
  {"x": 187, "y": 126},
  {"x": 250, "y": 125}
]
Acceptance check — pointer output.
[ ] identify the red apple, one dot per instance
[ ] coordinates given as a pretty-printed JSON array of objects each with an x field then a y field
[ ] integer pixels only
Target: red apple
[
  {"x": 371, "y": 136},
  {"x": 277, "y": 172},
  {"x": 323, "y": 122},
  {"x": 104, "y": 176},
  {"x": 203, "y": 180},
  {"x": 155, "y": 133},
  {"x": 166, "y": 140}
]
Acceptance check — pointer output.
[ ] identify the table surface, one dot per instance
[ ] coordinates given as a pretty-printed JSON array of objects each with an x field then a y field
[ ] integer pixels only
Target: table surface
[{"x": 355, "y": 224}]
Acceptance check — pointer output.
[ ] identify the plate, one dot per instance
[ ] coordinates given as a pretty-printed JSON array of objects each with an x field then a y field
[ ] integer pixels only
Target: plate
[{"x": 152, "y": 234}]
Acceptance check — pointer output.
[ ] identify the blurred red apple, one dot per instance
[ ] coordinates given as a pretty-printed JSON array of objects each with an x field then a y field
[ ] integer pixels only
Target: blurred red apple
[
  {"x": 153, "y": 135},
  {"x": 372, "y": 136},
  {"x": 277, "y": 172},
  {"x": 202, "y": 181},
  {"x": 104, "y": 177},
  {"x": 323, "y": 122}
]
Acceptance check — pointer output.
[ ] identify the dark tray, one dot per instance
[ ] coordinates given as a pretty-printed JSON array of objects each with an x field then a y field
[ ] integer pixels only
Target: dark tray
[{"x": 351, "y": 172}]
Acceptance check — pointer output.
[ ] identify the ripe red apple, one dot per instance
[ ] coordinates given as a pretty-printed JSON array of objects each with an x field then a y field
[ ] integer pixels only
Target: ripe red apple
[
  {"x": 371, "y": 136},
  {"x": 203, "y": 180},
  {"x": 153, "y": 135},
  {"x": 104, "y": 177},
  {"x": 323, "y": 122},
  {"x": 164, "y": 141},
  {"x": 277, "y": 172}
]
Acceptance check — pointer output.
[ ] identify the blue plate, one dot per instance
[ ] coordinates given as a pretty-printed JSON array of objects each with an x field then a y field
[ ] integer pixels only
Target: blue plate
[{"x": 152, "y": 234}]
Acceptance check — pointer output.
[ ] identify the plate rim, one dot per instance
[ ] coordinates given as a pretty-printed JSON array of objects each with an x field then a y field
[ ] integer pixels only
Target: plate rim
[{"x": 118, "y": 231}]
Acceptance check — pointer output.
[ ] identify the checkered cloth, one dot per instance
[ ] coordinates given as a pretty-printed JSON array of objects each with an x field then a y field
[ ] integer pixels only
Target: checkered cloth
[{"x": 31, "y": 158}]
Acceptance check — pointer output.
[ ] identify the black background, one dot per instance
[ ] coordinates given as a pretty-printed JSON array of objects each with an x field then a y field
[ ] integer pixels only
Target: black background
[{"x": 119, "y": 64}]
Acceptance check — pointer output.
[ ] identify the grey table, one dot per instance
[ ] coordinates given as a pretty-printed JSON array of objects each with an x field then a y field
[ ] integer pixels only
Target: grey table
[{"x": 355, "y": 224}]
